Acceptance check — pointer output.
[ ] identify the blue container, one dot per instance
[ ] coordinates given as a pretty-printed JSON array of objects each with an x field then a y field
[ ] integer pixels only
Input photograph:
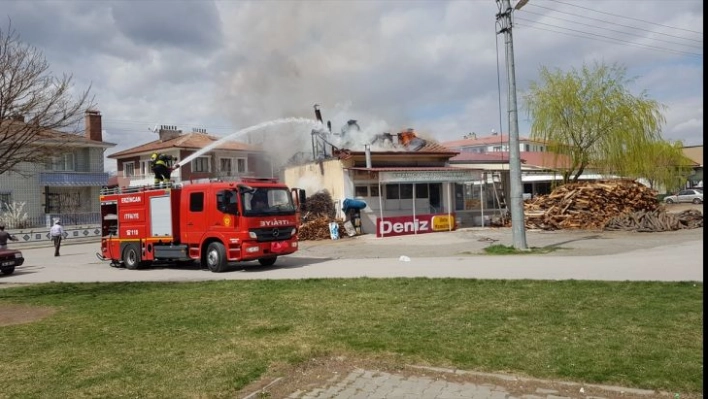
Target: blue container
[{"x": 350, "y": 203}]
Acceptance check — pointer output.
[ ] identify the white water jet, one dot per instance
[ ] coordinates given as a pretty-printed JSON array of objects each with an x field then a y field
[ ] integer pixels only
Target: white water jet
[{"x": 315, "y": 124}]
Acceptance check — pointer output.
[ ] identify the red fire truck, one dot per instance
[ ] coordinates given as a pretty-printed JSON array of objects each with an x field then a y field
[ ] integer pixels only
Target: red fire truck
[{"x": 214, "y": 223}]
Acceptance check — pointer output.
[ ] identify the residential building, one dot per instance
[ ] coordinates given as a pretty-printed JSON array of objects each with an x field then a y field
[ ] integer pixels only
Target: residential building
[
  {"x": 695, "y": 154},
  {"x": 67, "y": 188},
  {"x": 227, "y": 160},
  {"x": 540, "y": 168}
]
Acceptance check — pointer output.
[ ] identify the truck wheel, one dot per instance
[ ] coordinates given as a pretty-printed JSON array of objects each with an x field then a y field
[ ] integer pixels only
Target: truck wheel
[
  {"x": 131, "y": 257},
  {"x": 8, "y": 271},
  {"x": 216, "y": 257},
  {"x": 267, "y": 261}
]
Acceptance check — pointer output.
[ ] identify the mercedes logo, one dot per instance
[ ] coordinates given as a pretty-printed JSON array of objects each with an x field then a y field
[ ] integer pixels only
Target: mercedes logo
[{"x": 276, "y": 232}]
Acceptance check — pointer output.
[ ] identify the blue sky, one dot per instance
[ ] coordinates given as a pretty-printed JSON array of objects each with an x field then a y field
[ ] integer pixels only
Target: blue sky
[{"x": 436, "y": 66}]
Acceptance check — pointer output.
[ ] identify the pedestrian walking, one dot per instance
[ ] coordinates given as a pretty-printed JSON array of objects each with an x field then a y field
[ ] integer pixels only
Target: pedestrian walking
[
  {"x": 57, "y": 234},
  {"x": 4, "y": 236}
]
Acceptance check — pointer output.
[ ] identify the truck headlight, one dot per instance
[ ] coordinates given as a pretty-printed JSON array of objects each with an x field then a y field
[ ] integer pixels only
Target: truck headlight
[
  {"x": 251, "y": 250},
  {"x": 293, "y": 232},
  {"x": 252, "y": 234}
]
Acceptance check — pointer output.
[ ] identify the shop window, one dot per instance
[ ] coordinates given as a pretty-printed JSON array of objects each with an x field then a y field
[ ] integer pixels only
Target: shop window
[
  {"x": 392, "y": 191},
  {"x": 406, "y": 191},
  {"x": 361, "y": 191},
  {"x": 421, "y": 190}
]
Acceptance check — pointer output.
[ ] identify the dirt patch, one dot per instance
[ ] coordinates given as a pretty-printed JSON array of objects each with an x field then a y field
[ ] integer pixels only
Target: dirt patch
[
  {"x": 11, "y": 314},
  {"x": 288, "y": 381}
]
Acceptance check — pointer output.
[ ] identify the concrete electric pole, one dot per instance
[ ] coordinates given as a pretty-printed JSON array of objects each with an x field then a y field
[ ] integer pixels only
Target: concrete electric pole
[{"x": 516, "y": 205}]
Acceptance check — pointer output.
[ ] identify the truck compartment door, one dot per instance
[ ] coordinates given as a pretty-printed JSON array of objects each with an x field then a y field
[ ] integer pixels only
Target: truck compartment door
[{"x": 160, "y": 216}]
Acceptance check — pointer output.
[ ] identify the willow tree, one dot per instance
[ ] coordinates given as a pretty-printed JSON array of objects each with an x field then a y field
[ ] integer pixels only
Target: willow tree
[
  {"x": 589, "y": 118},
  {"x": 663, "y": 165},
  {"x": 38, "y": 114}
]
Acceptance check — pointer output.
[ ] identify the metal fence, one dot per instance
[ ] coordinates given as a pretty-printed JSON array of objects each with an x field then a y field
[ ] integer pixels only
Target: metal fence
[{"x": 46, "y": 221}]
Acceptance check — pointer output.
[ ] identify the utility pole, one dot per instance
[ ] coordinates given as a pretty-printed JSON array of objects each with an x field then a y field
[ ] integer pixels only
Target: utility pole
[{"x": 516, "y": 205}]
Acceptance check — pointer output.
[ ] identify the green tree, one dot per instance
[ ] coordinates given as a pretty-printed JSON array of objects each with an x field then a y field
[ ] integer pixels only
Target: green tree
[
  {"x": 38, "y": 115},
  {"x": 662, "y": 164},
  {"x": 590, "y": 120}
]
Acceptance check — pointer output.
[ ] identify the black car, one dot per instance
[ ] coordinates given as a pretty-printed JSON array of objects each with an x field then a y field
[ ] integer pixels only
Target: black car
[{"x": 9, "y": 259}]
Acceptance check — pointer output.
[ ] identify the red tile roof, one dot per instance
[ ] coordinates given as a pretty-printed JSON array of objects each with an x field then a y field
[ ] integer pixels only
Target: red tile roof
[
  {"x": 484, "y": 141},
  {"x": 187, "y": 141},
  {"x": 407, "y": 169},
  {"x": 546, "y": 160}
]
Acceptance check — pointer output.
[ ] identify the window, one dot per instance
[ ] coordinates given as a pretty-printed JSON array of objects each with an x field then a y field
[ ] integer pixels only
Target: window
[
  {"x": 392, "y": 191},
  {"x": 226, "y": 202},
  {"x": 5, "y": 200},
  {"x": 145, "y": 168},
  {"x": 128, "y": 169},
  {"x": 406, "y": 191},
  {"x": 421, "y": 190},
  {"x": 225, "y": 166},
  {"x": 361, "y": 191},
  {"x": 201, "y": 164},
  {"x": 196, "y": 202},
  {"x": 374, "y": 190},
  {"x": 62, "y": 163},
  {"x": 241, "y": 165}
]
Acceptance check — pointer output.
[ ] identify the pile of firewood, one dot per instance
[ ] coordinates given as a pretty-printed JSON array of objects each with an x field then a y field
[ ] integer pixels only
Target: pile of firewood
[
  {"x": 588, "y": 205},
  {"x": 318, "y": 229},
  {"x": 317, "y": 206},
  {"x": 318, "y": 212},
  {"x": 658, "y": 220}
]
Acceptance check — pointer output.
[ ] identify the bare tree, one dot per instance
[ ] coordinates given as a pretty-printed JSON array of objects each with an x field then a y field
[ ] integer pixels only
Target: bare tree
[{"x": 37, "y": 110}]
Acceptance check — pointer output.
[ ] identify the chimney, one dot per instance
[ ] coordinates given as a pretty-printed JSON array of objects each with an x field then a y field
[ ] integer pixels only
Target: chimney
[
  {"x": 168, "y": 132},
  {"x": 92, "y": 121}
]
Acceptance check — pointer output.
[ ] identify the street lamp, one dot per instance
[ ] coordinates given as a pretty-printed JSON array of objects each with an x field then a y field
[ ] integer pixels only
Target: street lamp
[{"x": 516, "y": 205}]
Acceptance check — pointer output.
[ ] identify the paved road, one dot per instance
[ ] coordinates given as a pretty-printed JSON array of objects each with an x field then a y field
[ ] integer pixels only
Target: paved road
[{"x": 676, "y": 260}]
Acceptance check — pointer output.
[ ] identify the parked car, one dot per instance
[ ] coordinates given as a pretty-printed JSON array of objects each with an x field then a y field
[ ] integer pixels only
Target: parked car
[{"x": 689, "y": 195}]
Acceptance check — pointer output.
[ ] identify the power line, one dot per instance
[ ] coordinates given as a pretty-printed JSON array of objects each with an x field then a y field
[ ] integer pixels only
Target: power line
[
  {"x": 626, "y": 26},
  {"x": 613, "y": 30},
  {"x": 622, "y": 16},
  {"x": 606, "y": 37}
]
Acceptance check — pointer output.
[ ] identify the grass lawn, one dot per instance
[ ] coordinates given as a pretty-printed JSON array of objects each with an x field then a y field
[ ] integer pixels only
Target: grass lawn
[{"x": 209, "y": 339}]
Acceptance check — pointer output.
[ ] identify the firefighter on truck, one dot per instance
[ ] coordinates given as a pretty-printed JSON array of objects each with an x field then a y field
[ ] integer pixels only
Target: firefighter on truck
[{"x": 214, "y": 223}]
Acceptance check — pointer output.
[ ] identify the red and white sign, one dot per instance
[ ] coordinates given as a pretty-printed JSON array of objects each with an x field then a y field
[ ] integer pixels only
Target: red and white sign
[{"x": 404, "y": 225}]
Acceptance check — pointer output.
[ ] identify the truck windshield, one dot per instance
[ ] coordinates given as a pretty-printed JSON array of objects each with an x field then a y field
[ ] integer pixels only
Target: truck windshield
[{"x": 267, "y": 201}]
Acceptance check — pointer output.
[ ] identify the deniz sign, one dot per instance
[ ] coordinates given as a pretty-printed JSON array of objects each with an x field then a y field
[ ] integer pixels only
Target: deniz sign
[{"x": 404, "y": 225}]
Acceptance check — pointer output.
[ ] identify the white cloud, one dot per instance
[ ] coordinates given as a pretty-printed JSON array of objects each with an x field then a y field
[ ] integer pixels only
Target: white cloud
[{"x": 436, "y": 66}]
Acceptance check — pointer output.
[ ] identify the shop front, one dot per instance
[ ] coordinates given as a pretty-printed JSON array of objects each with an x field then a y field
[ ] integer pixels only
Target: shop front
[{"x": 409, "y": 200}]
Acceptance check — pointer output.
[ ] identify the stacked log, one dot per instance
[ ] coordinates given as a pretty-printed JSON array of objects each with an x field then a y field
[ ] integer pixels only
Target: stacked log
[
  {"x": 318, "y": 229},
  {"x": 317, "y": 206},
  {"x": 318, "y": 212},
  {"x": 658, "y": 220},
  {"x": 588, "y": 205}
]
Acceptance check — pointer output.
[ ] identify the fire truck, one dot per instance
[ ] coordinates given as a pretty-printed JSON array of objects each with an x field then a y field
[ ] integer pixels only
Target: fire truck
[{"x": 214, "y": 223}]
